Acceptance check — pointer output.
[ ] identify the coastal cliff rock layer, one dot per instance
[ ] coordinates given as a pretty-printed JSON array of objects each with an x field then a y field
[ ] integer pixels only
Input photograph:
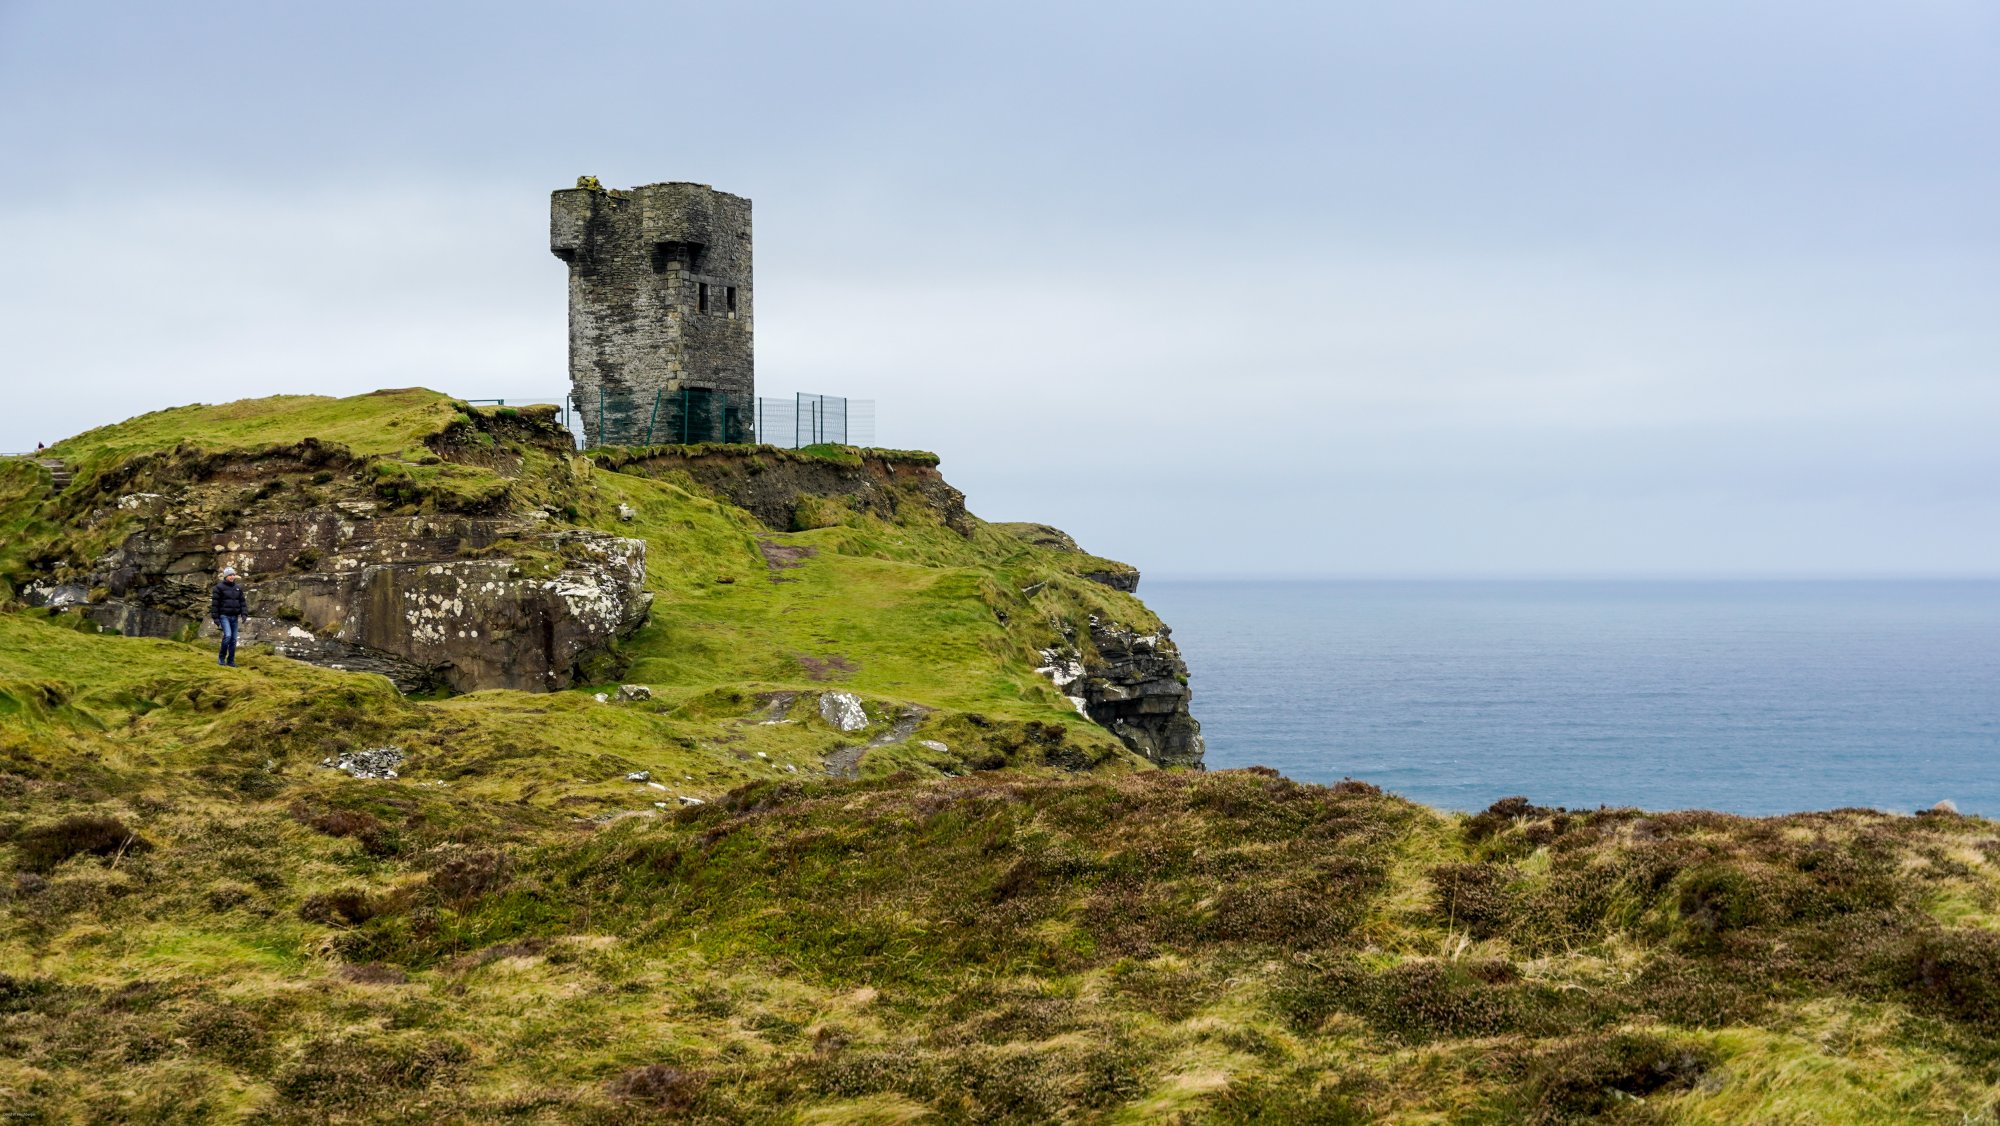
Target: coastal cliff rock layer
[
  {"x": 1133, "y": 684},
  {"x": 467, "y": 602}
]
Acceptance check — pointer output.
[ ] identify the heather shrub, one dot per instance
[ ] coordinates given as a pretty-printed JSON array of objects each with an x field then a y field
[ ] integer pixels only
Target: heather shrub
[
  {"x": 42, "y": 847},
  {"x": 332, "y": 1076},
  {"x": 1595, "y": 1074},
  {"x": 665, "y": 1089},
  {"x": 342, "y": 907}
]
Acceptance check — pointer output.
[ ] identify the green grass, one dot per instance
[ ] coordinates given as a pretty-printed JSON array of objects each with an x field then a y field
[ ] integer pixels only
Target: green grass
[
  {"x": 386, "y": 422},
  {"x": 903, "y": 612},
  {"x": 200, "y": 922}
]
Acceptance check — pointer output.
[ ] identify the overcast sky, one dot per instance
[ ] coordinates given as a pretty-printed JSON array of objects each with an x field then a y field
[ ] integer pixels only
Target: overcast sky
[{"x": 1419, "y": 288}]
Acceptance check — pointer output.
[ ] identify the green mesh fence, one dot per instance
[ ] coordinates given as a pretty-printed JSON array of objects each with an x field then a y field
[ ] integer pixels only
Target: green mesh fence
[{"x": 664, "y": 418}]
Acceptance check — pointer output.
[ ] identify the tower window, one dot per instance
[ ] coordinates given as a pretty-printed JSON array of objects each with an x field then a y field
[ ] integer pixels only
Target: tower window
[
  {"x": 671, "y": 255},
  {"x": 701, "y": 297},
  {"x": 729, "y": 298}
]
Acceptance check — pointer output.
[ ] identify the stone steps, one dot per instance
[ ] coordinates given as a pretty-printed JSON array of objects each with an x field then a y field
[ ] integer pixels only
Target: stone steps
[{"x": 60, "y": 474}]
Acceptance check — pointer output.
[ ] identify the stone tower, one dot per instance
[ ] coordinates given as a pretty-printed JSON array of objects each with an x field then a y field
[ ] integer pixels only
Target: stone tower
[{"x": 659, "y": 311}]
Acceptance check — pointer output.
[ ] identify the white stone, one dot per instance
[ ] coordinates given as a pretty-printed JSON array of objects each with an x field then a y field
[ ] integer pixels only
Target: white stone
[
  {"x": 933, "y": 744},
  {"x": 1062, "y": 668},
  {"x": 843, "y": 710}
]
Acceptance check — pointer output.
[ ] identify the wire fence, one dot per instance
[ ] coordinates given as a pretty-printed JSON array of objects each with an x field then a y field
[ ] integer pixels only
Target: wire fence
[
  {"x": 694, "y": 415},
  {"x": 813, "y": 420}
]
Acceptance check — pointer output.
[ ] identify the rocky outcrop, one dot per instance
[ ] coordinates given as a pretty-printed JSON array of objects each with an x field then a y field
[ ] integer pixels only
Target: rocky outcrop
[
  {"x": 1105, "y": 572},
  {"x": 788, "y": 490},
  {"x": 1122, "y": 580},
  {"x": 464, "y": 602},
  {"x": 446, "y": 567},
  {"x": 1134, "y": 685}
]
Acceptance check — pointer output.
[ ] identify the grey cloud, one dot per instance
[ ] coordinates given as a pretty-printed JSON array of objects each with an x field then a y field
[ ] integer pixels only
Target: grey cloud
[{"x": 1294, "y": 289}]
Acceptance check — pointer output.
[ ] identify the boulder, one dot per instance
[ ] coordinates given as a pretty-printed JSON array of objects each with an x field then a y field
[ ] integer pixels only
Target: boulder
[{"x": 843, "y": 710}]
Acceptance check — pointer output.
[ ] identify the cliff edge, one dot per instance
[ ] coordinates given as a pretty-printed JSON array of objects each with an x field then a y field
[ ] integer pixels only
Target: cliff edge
[{"x": 455, "y": 549}]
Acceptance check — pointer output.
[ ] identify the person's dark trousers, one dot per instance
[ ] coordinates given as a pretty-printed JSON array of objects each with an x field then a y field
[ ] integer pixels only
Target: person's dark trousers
[{"x": 229, "y": 623}]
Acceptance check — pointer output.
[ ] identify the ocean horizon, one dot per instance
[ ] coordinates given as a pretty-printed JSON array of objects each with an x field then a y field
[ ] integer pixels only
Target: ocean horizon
[{"x": 1747, "y": 696}]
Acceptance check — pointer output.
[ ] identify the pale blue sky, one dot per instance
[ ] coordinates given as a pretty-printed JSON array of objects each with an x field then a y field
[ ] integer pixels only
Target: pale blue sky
[{"x": 1411, "y": 289}]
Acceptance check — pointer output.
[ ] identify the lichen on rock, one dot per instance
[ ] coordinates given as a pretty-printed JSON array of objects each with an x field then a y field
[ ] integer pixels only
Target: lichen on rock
[{"x": 843, "y": 710}]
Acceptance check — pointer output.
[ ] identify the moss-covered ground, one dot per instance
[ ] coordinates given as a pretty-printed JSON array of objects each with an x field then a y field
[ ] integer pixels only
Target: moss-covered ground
[{"x": 199, "y": 921}]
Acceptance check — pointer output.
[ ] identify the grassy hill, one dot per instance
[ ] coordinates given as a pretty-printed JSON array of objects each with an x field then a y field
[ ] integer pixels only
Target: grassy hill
[{"x": 200, "y": 921}]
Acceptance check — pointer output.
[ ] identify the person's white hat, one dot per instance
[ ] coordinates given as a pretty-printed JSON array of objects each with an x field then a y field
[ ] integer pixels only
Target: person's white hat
[{"x": 228, "y": 571}]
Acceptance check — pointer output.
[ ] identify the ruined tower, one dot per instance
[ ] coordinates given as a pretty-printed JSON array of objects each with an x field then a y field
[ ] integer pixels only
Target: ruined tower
[{"x": 659, "y": 311}]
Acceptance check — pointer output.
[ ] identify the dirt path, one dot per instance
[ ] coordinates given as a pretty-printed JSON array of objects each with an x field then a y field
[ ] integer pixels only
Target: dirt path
[
  {"x": 783, "y": 557},
  {"x": 846, "y": 762}
]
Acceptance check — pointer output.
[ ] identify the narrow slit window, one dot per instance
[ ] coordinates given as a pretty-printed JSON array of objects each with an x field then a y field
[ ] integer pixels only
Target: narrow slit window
[
  {"x": 729, "y": 298},
  {"x": 701, "y": 296}
]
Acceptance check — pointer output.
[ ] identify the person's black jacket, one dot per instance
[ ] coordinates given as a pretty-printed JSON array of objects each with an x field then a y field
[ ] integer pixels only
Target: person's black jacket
[{"x": 227, "y": 600}]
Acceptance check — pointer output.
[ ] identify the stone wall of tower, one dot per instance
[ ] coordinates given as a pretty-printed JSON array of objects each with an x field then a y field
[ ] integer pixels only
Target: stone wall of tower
[{"x": 660, "y": 296}]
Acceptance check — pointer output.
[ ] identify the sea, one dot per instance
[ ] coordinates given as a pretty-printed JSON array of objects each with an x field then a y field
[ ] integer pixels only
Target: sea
[{"x": 1746, "y": 697}]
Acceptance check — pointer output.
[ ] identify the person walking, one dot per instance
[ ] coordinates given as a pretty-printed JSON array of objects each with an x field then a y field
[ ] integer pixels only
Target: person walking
[{"x": 227, "y": 606}]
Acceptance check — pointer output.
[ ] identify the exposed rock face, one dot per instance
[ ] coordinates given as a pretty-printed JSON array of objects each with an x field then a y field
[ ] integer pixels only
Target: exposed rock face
[
  {"x": 779, "y": 487},
  {"x": 1135, "y": 686},
  {"x": 1127, "y": 581},
  {"x": 466, "y": 602},
  {"x": 432, "y": 570}
]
